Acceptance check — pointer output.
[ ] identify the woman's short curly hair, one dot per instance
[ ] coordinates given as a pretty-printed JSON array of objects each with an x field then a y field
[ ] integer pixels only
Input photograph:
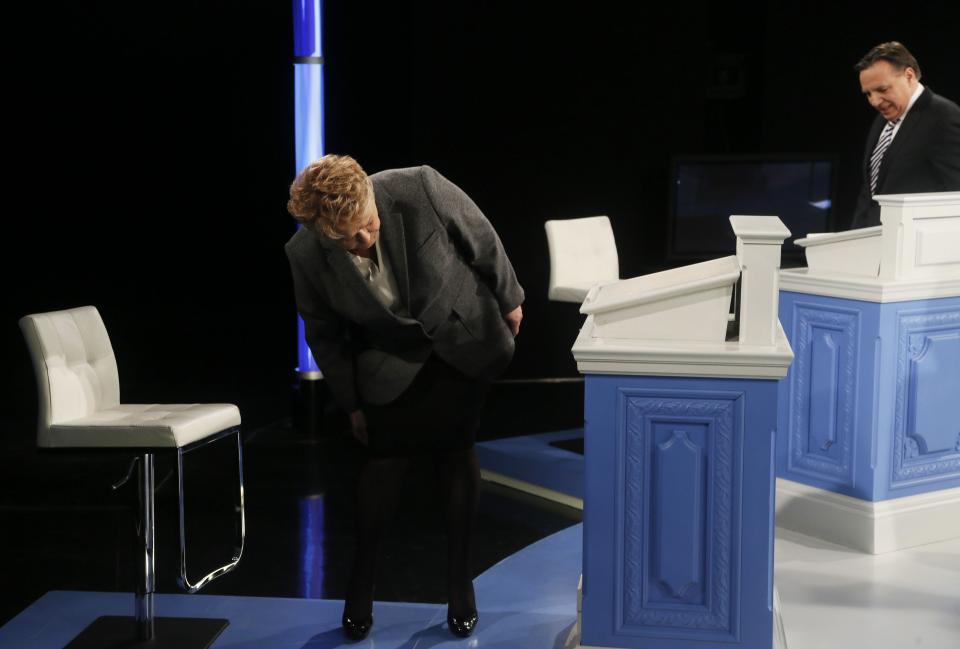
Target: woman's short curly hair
[{"x": 330, "y": 192}]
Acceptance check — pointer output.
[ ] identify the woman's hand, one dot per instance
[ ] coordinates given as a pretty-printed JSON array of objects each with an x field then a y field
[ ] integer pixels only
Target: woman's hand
[
  {"x": 513, "y": 320},
  {"x": 358, "y": 426}
]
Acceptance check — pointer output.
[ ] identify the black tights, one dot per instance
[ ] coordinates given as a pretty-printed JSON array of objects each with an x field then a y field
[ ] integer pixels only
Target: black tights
[{"x": 377, "y": 491}]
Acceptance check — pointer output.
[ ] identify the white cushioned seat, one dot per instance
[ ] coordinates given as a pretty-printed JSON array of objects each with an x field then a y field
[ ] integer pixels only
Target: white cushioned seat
[
  {"x": 583, "y": 253},
  {"x": 145, "y": 426}
]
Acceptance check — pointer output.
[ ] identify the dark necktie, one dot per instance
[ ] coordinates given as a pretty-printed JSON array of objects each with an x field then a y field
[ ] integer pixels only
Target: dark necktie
[{"x": 886, "y": 137}]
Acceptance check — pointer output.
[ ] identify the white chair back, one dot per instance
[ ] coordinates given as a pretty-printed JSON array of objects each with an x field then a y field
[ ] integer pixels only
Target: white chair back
[
  {"x": 583, "y": 253},
  {"x": 74, "y": 364}
]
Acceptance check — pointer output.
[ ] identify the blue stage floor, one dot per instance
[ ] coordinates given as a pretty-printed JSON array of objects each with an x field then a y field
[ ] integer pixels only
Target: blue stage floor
[
  {"x": 527, "y": 600},
  {"x": 531, "y": 463}
]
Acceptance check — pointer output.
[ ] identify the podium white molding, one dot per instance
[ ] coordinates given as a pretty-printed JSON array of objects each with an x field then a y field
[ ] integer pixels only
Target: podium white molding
[{"x": 871, "y": 527}]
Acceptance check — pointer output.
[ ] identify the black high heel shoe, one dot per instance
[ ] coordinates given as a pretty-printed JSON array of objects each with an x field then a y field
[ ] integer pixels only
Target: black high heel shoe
[
  {"x": 462, "y": 626},
  {"x": 356, "y": 629}
]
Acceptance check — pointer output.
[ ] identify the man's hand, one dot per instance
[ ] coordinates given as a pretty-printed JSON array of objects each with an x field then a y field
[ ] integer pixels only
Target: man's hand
[
  {"x": 358, "y": 426},
  {"x": 513, "y": 320}
]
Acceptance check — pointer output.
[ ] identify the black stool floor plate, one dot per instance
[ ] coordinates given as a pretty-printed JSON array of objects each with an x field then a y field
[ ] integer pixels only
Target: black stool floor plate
[{"x": 119, "y": 632}]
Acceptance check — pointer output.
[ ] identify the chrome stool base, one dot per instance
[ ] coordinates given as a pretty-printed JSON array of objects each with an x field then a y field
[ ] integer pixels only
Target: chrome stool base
[{"x": 119, "y": 632}]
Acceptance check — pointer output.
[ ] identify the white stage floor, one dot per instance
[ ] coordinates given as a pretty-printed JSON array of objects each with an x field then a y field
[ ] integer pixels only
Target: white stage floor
[{"x": 836, "y": 598}]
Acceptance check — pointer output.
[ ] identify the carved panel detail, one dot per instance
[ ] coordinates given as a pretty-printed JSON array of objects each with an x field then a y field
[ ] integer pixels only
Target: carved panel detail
[
  {"x": 822, "y": 391},
  {"x": 926, "y": 430},
  {"x": 679, "y": 485}
]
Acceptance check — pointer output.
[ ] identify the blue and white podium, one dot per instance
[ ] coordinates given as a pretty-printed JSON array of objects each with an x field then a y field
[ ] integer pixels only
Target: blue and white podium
[
  {"x": 868, "y": 453},
  {"x": 679, "y": 434}
]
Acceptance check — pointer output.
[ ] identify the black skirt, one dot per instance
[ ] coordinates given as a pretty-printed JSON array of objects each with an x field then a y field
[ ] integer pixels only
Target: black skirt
[{"x": 439, "y": 411}]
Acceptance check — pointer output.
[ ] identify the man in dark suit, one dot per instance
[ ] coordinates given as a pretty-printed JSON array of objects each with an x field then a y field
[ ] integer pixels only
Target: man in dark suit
[
  {"x": 914, "y": 142},
  {"x": 410, "y": 306}
]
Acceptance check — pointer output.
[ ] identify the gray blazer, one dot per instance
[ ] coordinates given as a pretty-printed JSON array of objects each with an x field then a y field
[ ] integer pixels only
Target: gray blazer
[{"x": 453, "y": 276}]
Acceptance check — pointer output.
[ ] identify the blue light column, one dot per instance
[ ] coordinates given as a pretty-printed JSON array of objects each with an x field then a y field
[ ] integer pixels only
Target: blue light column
[
  {"x": 312, "y": 536},
  {"x": 308, "y": 115}
]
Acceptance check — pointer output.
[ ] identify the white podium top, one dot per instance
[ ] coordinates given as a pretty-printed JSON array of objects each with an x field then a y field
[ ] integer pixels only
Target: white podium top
[
  {"x": 675, "y": 322},
  {"x": 687, "y": 303},
  {"x": 765, "y": 229},
  {"x": 725, "y": 359},
  {"x": 914, "y": 254}
]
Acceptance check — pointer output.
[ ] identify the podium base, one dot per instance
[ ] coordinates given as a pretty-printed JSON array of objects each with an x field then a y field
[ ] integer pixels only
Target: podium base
[{"x": 872, "y": 527}]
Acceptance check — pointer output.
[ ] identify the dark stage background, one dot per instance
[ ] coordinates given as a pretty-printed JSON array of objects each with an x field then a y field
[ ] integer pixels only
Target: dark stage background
[{"x": 152, "y": 147}]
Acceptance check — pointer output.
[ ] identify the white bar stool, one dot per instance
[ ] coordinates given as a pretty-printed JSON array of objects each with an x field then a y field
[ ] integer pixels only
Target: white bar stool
[{"x": 79, "y": 409}]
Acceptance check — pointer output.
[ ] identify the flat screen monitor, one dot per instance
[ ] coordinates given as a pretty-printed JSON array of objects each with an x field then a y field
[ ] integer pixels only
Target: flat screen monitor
[{"x": 706, "y": 190}]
